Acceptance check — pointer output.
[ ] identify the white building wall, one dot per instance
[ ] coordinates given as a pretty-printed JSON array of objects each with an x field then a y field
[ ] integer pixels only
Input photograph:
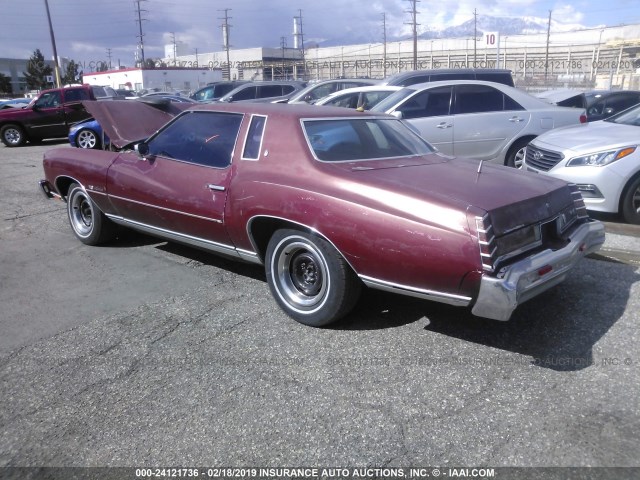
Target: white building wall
[{"x": 171, "y": 79}]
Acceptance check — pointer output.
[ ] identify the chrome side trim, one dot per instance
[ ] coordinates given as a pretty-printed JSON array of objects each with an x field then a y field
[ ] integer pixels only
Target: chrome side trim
[
  {"x": 166, "y": 209},
  {"x": 176, "y": 236},
  {"x": 248, "y": 256},
  {"x": 442, "y": 297}
]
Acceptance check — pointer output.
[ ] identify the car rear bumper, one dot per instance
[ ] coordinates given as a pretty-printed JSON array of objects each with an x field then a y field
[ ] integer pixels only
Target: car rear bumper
[{"x": 500, "y": 295}]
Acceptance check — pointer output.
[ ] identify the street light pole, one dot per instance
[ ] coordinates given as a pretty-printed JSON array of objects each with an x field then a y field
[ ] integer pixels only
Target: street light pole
[{"x": 53, "y": 44}]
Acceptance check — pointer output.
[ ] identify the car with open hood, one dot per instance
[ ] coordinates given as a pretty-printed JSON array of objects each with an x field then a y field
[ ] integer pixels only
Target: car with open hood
[{"x": 328, "y": 200}]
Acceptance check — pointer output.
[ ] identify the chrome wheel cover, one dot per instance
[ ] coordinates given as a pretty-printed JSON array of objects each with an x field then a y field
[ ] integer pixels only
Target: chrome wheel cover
[
  {"x": 13, "y": 136},
  {"x": 81, "y": 213},
  {"x": 301, "y": 275}
]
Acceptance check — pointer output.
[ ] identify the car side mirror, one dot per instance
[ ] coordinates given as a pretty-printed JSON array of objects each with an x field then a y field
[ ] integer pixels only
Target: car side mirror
[
  {"x": 142, "y": 149},
  {"x": 398, "y": 114}
]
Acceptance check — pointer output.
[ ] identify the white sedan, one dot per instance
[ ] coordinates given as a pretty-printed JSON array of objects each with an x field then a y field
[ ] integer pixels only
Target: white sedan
[
  {"x": 362, "y": 98},
  {"x": 476, "y": 119},
  {"x": 602, "y": 158}
]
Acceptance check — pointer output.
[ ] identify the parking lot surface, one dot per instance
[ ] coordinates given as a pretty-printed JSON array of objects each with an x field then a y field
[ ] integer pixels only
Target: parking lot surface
[{"x": 147, "y": 353}]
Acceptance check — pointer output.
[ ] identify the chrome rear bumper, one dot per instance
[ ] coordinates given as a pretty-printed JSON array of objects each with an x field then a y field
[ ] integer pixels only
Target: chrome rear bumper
[{"x": 500, "y": 295}]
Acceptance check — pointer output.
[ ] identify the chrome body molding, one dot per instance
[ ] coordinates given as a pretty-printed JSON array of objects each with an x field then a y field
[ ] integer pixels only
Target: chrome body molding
[
  {"x": 202, "y": 243},
  {"x": 442, "y": 297},
  {"x": 248, "y": 256},
  {"x": 515, "y": 284},
  {"x": 165, "y": 209}
]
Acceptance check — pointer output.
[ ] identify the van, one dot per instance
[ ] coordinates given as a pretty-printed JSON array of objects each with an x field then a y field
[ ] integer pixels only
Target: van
[{"x": 404, "y": 79}]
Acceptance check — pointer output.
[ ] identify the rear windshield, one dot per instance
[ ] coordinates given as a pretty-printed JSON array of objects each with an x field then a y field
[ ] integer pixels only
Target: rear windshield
[{"x": 349, "y": 139}]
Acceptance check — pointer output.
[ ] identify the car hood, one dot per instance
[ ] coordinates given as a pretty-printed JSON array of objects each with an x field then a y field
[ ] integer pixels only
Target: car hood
[
  {"x": 129, "y": 121},
  {"x": 512, "y": 197},
  {"x": 590, "y": 137}
]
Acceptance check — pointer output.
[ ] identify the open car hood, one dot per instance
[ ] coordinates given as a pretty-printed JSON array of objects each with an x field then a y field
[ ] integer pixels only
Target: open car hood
[{"x": 130, "y": 121}]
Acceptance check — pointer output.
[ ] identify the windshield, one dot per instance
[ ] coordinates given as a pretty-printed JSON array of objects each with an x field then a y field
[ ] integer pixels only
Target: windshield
[
  {"x": 392, "y": 100},
  {"x": 348, "y": 139},
  {"x": 630, "y": 116}
]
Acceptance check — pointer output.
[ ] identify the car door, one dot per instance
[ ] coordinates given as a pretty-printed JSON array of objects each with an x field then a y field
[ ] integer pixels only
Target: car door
[
  {"x": 485, "y": 121},
  {"x": 74, "y": 112},
  {"x": 49, "y": 118},
  {"x": 429, "y": 112},
  {"x": 179, "y": 188}
]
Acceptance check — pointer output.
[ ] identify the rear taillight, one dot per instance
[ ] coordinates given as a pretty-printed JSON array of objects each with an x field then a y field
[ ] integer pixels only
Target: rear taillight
[{"x": 583, "y": 118}]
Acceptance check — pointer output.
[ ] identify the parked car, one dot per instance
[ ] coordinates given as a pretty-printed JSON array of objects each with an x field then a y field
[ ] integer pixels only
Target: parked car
[
  {"x": 602, "y": 158},
  {"x": 565, "y": 98},
  {"x": 599, "y": 104},
  {"x": 361, "y": 98},
  {"x": 215, "y": 90},
  {"x": 603, "y": 104},
  {"x": 482, "y": 120},
  {"x": 328, "y": 200},
  {"x": 87, "y": 134},
  {"x": 268, "y": 91},
  {"x": 125, "y": 93},
  {"x": 14, "y": 103},
  {"x": 49, "y": 115},
  {"x": 405, "y": 79},
  {"x": 314, "y": 92}
]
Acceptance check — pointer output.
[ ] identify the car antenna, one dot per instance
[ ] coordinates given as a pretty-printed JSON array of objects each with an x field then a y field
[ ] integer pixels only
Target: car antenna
[{"x": 480, "y": 166}]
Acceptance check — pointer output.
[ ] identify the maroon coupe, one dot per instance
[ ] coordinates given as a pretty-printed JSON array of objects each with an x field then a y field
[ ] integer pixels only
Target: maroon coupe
[{"x": 328, "y": 200}]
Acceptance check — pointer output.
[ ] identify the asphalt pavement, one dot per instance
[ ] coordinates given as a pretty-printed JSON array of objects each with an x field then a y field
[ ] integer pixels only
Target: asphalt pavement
[{"x": 147, "y": 353}]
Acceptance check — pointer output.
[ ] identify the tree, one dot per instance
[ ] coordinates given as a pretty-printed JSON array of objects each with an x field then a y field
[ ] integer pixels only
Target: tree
[
  {"x": 102, "y": 67},
  {"x": 37, "y": 72},
  {"x": 73, "y": 74},
  {"x": 5, "y": 84}
]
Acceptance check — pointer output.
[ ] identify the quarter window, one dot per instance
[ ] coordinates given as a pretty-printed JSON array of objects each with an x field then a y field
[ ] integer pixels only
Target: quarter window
[{"x": 253, "y": 142}]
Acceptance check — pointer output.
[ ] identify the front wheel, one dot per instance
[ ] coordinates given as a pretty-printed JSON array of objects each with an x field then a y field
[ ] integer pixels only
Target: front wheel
[
  {"x": 309, "y": 279},
  {"x": 88, "y": 223},
  {"x": 87, "y": 139},
  {"x": 631, "y": 203},
  {"x": 12, "y": 135}
]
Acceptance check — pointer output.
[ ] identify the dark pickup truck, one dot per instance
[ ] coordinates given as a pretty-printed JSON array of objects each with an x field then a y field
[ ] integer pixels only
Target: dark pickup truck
[{"x": 49, "y": 115}]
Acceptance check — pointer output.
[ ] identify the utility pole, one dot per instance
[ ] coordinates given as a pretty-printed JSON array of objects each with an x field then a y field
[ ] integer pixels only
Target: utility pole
[
  {"x": 546, "y": 55},
  {"x": 414, "y": 28},
  {"x": 53, "y": 45},
  {"x": 301, "y": 44},
  {"x": 283, "y": 44},
  {"x": 139, "y": 22},
  {"x": 173, "y": 43},
  {"x": 384, "y": 45},
  {"x": 225, "y": 39},
  {"x": 109, "y": 57},
  {"x": 475, "y": 36}
]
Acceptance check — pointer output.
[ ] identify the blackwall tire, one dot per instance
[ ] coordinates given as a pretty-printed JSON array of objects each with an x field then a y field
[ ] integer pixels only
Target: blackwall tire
[
  {"x": 631, "y": 202},
  {"x": 12, "y": 135}
]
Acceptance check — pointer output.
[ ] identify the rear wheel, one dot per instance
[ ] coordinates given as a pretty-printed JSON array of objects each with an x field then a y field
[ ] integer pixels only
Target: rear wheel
[
  {"x": 12, "y": 135},
  {"x": 88, "y": 223},
  {"x": 87, "y": 139},
  {"x": 309, "y": 279},
  {"x": 631, "y": 202},
  {"x": 516, "y": 154}
]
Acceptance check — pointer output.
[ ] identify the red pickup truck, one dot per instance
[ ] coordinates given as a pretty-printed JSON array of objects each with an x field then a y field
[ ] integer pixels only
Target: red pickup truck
[{"x": 49, "y": 115}]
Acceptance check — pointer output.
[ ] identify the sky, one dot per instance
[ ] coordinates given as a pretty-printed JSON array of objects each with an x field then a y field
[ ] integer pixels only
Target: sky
[{"x": 89, "y": 31}]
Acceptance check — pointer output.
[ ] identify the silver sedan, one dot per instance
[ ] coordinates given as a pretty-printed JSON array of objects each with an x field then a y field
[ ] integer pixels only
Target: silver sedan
[{"x": 476, "y": 119}]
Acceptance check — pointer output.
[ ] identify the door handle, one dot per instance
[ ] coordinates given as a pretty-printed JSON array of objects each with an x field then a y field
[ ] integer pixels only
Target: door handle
[
  {"x": 516, "y": 119},
  {"x": 215, "y": 188},
  {"x": 444, "y": 125}
]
